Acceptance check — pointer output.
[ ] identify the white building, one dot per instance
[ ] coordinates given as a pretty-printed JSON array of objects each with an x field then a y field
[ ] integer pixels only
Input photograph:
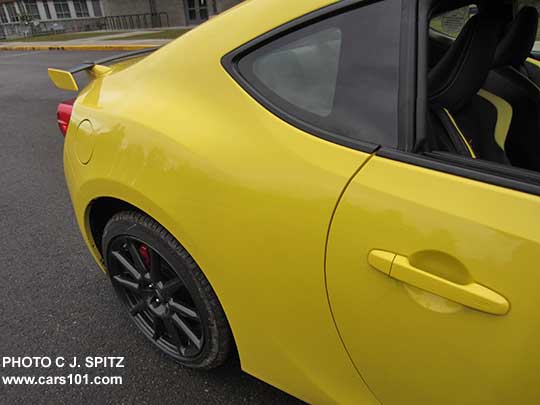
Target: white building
[
  {"x": 27, "y": 17},
  {"x": 31, "y": 17},
  {"x": 12, "y": 11}
]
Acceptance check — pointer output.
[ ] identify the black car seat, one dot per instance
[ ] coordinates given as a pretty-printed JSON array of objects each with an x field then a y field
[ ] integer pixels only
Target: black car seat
[
  {"x": 516, "y": 46},
  {"x": 460, "y": 121},
  {"x": 514, "y": 96}
]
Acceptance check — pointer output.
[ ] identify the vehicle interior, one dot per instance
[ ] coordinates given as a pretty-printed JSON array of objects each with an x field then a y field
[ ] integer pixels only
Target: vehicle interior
[{"x": 483, "y": 83}]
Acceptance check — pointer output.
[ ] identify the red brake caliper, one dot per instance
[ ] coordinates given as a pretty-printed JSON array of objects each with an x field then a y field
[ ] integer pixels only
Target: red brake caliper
[{"x": 144, "y": 251}]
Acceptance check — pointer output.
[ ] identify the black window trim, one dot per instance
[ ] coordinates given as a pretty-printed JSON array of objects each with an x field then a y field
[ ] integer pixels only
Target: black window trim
[{"x": 407, "y": 76}]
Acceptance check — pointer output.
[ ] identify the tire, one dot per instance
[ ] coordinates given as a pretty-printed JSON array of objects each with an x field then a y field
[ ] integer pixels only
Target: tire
[{"x": 165, "y": 292}]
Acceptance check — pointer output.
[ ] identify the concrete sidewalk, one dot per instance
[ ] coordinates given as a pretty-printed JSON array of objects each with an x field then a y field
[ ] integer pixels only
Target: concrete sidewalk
[
  {"x": 112, "y": 42},
  {"x": 87, "y": 44},
  {"x": 119, "y": 45},
  {"x": 114, "y": 36}
]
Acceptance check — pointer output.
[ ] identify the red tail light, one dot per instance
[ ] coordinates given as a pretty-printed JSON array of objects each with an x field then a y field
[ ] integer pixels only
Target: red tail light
[{"x": 63, "y": 114}]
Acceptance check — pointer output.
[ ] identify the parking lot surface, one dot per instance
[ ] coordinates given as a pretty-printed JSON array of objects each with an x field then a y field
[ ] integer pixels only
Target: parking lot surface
[{"x": 54, "y": 300}]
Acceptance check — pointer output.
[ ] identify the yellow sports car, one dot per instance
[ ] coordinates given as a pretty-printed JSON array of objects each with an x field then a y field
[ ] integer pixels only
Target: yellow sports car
[{"x": 345, "y": 192}]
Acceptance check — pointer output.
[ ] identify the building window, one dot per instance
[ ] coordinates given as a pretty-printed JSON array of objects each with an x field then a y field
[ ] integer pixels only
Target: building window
[
  {"x": 197, "y": 10},
  {"x": 62, "y": 9},
  {"x": 12, "y": 12},
  {"x": 47, "y": 9},
  {"x": 96, "y": 5},
  {"x": 203, "y": 10},
  {"x": 3, "y": 15},
  {"x": 31, "y": 9},
  {"x": 81, "y": 9},
  {"x": 192, "y": 12}
]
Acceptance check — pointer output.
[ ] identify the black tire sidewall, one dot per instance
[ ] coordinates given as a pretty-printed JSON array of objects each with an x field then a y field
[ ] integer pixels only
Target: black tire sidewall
[{"x": 158, "y": 239}]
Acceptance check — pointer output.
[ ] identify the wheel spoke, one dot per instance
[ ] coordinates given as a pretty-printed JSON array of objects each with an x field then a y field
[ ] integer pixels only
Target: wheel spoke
[
  {"x": 137, "y": 260},
  {"x": 139, "y": 307},
  {"x": 170, "y": 287},
  {"x": 187, "y": 331},
  {"x": 182, "y": 310},
  {"x": 155, "y": 264},
  {"x": 136, "y": 274},
  {"x": 158, "y": 328},
  {"x": 173, "y": 334},
  {"x": 156, "y": 297},
  {"x": 130, "y": 285}
]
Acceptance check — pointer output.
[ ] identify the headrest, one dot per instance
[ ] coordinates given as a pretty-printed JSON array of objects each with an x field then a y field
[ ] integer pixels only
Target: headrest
[
  {"x": 518, "y": 40},
  {"x": 458, "y": 76}
]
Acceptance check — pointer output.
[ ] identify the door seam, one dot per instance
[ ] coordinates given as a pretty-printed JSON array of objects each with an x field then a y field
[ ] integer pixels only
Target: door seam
[{"x": 338, "y": 201}]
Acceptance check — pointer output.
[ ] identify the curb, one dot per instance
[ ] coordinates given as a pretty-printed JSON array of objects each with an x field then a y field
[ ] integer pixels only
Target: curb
[{"x": 76, "y": 47}]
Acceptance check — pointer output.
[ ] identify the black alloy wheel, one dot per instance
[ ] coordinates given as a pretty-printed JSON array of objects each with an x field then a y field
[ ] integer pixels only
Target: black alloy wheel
[{"x": 165, "y": 292}]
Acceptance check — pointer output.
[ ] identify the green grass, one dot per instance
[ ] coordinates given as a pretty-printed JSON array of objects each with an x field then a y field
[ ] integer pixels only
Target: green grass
[
  {"x": 167, "y": 34},
  {"x": 62, "y": 37}
]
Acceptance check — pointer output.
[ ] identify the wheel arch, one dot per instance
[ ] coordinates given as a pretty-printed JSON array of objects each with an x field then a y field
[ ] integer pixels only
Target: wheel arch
[
  {"x": 98, "y": 200},
  {"x": 101, "y": 209}
]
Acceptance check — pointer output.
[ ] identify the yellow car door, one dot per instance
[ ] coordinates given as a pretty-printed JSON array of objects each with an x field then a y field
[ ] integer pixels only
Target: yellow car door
[{"x": 433, "y": 282}]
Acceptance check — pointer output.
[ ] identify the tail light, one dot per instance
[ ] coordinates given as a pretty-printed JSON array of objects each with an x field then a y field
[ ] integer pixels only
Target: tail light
[{"x": 63, "y": 114}]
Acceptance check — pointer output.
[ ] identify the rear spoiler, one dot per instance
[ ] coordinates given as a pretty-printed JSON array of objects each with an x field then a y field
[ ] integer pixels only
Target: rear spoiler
[{"x": 65, "y": 80}]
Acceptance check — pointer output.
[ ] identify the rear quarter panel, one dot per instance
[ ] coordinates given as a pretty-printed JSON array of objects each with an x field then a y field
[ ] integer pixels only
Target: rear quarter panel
[{"x": 249, "y": 196}]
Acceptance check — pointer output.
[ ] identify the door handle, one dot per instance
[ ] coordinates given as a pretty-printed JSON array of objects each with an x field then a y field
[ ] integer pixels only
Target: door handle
[{"x": 472, "y": 295}]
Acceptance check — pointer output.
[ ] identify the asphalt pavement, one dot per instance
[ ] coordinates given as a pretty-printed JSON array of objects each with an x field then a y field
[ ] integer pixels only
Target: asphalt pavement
[{"x": 54, "y": 301}]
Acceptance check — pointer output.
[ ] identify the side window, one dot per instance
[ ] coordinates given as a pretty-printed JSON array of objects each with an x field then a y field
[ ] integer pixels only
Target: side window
[
  {"x": 452, "y": 22},
  {"x": 304, "y": 72},
  {"x": 339, "y": 75}
]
